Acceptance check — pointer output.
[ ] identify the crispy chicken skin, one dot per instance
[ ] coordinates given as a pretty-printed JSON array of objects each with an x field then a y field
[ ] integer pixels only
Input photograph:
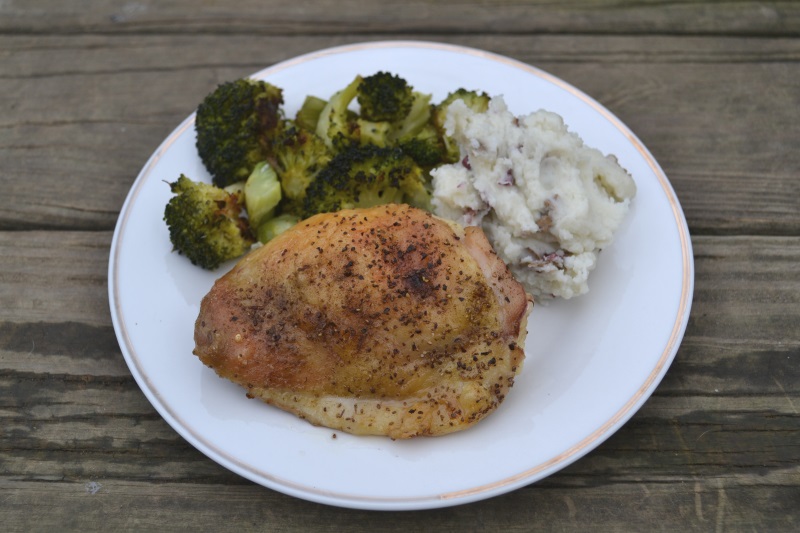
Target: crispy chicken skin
[{"x": 380, "y": 321}]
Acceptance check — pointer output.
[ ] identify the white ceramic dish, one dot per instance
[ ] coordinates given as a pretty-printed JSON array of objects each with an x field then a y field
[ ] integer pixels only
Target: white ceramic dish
[{"x": 591, "y": 361}]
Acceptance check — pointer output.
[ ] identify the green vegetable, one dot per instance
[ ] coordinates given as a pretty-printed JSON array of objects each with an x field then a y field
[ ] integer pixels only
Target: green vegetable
[
  {"x": 262, "y": 193},
  {"x": 334, "y": 155},
  {"x": 337, "y": 125},
  {"x": 308, "y": 115},
  {"x": 275, "y": 226},
  {"x": 235, "y": 125},
  {"x": 415, "y": 121},
  {"x": 205, "y": 223},
  {"x": 298, "y": 156},
  {"x": 365, "y": 176},
  {"x": 377, "y": 133},
  {"x": 391, "y": 114},
  {"x": 384, "y": 97},
  {"x": 426, "y": 147}
]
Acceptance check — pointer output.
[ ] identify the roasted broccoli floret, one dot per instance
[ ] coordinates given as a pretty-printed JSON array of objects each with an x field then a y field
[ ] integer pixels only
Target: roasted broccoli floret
[
  {"x": 394, "y": 114},
  {"x": 337, "y": 125},
  {"x": 365, "y": 176},
  {"x": 384, "y": 97},
  {"x": 426, "y": 147},
  {"x": 377, "y": 133},
  {"x": 477, "y": 101},
  {"x": 391, "y": 114},
  {"x": 417, "y": 118},
  {"x": 394, "y": 133},
  {"x": 298, "y": 156},
  {"x": 235, "y": 126},
  {"x": 205, "y": 223}
]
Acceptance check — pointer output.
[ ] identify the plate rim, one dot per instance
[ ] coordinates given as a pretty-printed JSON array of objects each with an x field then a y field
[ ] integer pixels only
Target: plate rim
[{"x": 507, "y": 484}]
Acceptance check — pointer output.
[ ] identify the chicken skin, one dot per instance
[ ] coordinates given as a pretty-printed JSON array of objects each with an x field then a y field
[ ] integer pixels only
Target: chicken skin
[{"x": 380, "y": 321}]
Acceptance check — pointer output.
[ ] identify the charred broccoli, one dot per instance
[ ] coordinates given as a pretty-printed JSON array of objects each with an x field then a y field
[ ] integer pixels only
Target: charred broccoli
[
  {"x": 365, "y": 176},
  {"x": 205, "y": 223},
  {"x": 337, "y": 125},
  {"x": 298, "y": 156},
  {"x": 235, "y": 126},
  {"x": 269, "y": 172},
  {"x": 376, "y": 133},
  {"x": 417, "y": 118},
  {"x": 426, "y": 147},
  {"x": 477, "y": 101},
  {"x": 384, "y": 97},
  {"x": 392, "y": 113}
]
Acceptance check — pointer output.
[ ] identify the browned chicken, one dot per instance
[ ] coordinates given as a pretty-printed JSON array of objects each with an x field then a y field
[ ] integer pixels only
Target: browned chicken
[{"x": 381, "y": 321}]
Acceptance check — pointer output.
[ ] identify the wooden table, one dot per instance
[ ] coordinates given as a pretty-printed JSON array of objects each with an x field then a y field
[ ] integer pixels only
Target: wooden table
[{"x": 89, "y": 89}]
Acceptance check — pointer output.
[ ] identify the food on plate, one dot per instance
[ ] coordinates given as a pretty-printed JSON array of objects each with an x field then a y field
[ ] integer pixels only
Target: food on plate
[
  {"x": 364, "y": 176},
  {"x": 235, "y": 126},
  {"x": 206, "y": 223},
  {"x": 476, "y": 101},
  {"x": 385, "y": 97},
  {"x": 211, "y": 225},
  {"x": 298, "y": 156},
  {"x": 547, "y": 202},
  {"x": 390, "y": 114},
  {"x": 378, "y": 321},
  {"x": 243, "y": 133},
  {"x": 262, "y": 193}
]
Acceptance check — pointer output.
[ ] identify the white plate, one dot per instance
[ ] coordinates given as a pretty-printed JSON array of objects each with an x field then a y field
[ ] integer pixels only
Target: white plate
[{"x": 591, "y": 361}]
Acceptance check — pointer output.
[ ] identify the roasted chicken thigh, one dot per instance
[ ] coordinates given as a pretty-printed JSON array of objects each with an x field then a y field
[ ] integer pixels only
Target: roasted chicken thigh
[{"x": 380, "y": 321}]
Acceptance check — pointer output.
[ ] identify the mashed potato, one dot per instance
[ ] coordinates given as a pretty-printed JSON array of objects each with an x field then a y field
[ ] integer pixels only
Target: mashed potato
[{"x": 547, "y": 202}]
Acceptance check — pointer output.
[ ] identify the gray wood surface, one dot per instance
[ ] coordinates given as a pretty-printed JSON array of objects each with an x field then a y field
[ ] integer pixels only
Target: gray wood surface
[{"x": 89, "y": 89}]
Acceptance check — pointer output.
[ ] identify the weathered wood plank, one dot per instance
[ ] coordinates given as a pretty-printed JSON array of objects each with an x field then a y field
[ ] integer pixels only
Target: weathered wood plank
[
  {"x": 705, "y": 504},
  {"x": 384, "y": 16},
  {"x": 54, "y": 277},
  {"x": 732, "y": 159},
  {"x": 61, "y": 348},
  {"x": 100, "y": 423},
  {"x": 89, "y": 89}
]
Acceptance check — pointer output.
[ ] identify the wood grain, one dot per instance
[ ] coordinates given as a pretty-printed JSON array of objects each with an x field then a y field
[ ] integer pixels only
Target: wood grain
[
  {"x": 89, "y": 89},
  {"x": 731, "y": 159},
  {"x": 702, "y": 505},
  {"x": 314, "y": 17}
]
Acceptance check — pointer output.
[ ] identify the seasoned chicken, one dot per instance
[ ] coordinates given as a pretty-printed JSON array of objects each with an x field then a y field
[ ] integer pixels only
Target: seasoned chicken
[{"x": 381, "y": 321}]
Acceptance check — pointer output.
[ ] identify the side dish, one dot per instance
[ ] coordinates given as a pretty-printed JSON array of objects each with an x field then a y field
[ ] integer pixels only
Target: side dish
[
  {"x": 547, "y": 202},
  {"x": 373, "y": 142}
]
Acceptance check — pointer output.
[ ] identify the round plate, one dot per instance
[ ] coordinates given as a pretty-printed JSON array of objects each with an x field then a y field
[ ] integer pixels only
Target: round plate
[{"x": 591, "y": 362}]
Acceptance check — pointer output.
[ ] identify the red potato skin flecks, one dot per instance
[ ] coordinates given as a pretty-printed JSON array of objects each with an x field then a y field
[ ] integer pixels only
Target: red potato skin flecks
[{"x": 380, "y": 321}]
